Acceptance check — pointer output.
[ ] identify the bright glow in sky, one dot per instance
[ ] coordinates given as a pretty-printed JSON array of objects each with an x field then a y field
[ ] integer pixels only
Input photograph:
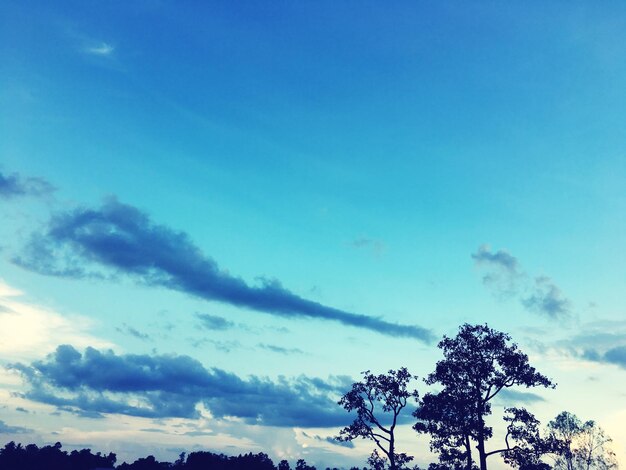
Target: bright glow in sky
[{"x": 267, "y": 198}]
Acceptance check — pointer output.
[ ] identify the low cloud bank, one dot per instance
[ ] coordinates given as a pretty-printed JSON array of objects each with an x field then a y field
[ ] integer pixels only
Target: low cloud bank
[{"x": 96, "y": 382}]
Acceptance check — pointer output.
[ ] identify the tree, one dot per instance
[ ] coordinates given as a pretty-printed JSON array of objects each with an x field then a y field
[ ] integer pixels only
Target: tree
[
  {"x": 579, "y": 446},
  {"x": 378, "y": 401},
  {"x": 524, "y": 445},
  {"x": 284, "y": 465},
  {"x": 478, "y": 363},
  {"x": 302, "y": 465},
  {"x": 445, "y": 419}
]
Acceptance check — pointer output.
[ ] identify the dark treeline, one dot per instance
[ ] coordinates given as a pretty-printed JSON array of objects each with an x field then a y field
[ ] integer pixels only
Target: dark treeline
[{"x": 52, "y": 457}]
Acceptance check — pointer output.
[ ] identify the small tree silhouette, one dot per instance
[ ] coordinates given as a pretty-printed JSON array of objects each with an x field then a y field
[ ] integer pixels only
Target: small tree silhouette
[{"x": 384, "y": 394}]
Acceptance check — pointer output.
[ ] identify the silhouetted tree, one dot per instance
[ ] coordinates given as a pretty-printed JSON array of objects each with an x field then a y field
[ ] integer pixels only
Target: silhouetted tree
[
  {"x": 302, "y": 465},
  {"x": 445, "y": 418},
  {"x": 478, "y": 363},
  {"x": 524, "y": 445},
  {"x": 579, "y": 446},
  {"x": 378, "y": 401},
  {"x": 145, "y": 463},
  {"x": 15, "y": 456},
  {"x": 283, "y": 465}
]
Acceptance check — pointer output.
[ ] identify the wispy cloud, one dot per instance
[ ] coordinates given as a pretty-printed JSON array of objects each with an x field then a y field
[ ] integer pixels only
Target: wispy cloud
[
  {"x": 97, "y": 382},
  {"x": 14, "y": 185},
  {"x": 502, "y": 270},
  {"x": 6, "y": 429},
  {"x": 119, "y": 237},
  {"x": 329, "y": 440},
  {"x": 280, "y": 349},
  {"x": 546, "y": 298},
  {"x": 214, "y": 322},
  {"x": 505, "y": 278},
  {"x": 508, "y": 397},
  {"x": 129, "y": 330},
  {"x": 615, "y": 356},
  {"x": 376, "y": 247},
  {"x": 102, "y": 49}
]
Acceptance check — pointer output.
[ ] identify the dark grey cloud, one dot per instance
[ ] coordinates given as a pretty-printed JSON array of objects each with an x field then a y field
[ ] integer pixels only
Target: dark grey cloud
[
  {"x": 15, "y": 185},
  {"x": 84, "y": 242},
  {"x": 546, "y": 299},
  {"x": 504, "y": 276},
  {"x": 280, "y": 349},
  {"x": 6, "y": 429},
  {"x": 615, "y": 356},
  {"x": 96, "y": 382},
  {"x": 214, "y": 322}
]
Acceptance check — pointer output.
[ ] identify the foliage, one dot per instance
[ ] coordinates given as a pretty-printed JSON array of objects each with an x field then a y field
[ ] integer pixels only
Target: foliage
[
  {"x": 31, "y": 457},
  {"x": 378, "y": 401},
  {"x": 478, "y": 363},
  {"x": 579, "y": 446}
]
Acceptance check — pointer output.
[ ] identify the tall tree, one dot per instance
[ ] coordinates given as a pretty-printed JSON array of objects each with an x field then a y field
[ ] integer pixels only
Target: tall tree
[
  {"x": 579, "y": 446},
  {"x": 478, "y": 363},
  {"x": 378, "y": 401}
]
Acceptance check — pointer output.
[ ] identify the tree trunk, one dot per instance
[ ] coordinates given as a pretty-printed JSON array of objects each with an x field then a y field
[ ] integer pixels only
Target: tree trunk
[
  {"x": 468, "y": 449},
  {"x": 482, "y": 455},
  {"x": 392, "y": 454}
]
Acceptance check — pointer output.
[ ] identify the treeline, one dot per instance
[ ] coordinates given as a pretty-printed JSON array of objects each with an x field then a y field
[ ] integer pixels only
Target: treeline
[{"x": 52, "y": 457}]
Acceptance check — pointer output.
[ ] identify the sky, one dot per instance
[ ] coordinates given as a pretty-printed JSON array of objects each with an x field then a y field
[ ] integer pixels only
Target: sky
[{"x": 216, "y": 216}]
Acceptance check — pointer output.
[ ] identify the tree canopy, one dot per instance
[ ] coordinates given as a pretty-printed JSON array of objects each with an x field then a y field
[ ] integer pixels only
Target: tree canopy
[{"x": 478, "y": 363}]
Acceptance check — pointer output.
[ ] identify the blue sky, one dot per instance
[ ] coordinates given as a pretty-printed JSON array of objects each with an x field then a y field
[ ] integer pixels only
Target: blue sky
[{"x": 424, "y": 165}]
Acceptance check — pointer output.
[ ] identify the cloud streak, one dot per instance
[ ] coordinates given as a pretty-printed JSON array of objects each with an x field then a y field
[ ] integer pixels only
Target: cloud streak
[
  {"x": 84, "y": 242},
  {"x": 96, "y": 382}
]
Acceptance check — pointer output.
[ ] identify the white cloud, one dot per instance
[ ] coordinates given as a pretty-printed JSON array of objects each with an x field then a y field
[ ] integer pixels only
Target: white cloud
[
  {"x": 29, "y": 331},
  {"x": 101, "y": 49}
]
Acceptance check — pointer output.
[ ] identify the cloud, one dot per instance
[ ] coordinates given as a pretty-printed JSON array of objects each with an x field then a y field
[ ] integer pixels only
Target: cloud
[
  {"x": 505, "y": 277},
  {"x": 96, "y": 382},
  {"x": 102, "y": 49},
  {"x": 6, "y": 429},
  {"x": 214, "y": 322},
  {"x": 546, "y": 298},
  {"x": 509, "y": 397},
  {"x": 36, "y": 329},
  {"x": 330, "y": 440},
  {"x": 14, "y": 185},
  {"x": 280, "y": 349},
  {"x": 122, "y": 238},
  {"x": 129, "y": 330},
  {"x": 615, "y": 356},
  {"x": 377, "y": 247}
]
